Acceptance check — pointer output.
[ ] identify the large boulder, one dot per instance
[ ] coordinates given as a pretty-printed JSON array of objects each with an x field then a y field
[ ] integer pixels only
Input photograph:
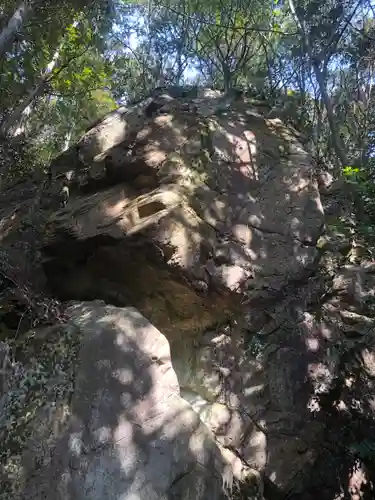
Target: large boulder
[
  {"x": 182, "y": 206},
  {"x": 203, "y": 214},
  {"x": 226, "y": 194},
  {"x": 126, "y": 432},
  {"x": 205, "y": 191}
]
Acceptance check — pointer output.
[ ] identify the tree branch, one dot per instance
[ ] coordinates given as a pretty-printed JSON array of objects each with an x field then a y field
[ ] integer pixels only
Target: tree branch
[{"x": 256, "y": 29}]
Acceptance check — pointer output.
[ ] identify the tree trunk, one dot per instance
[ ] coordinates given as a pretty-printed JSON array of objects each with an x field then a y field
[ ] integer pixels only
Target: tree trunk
[
  {"x": 180, "y": 68},
  {"x": 320, "y": 77},
  {"x": 227, "y": 77},
  {"x": 15, "y": 24},
  {"x": 67, "y": 140},
  {"x": 11, "y": 126},
  {"x": 12, "y": 123},
  {"x": 336, "y": 139}
]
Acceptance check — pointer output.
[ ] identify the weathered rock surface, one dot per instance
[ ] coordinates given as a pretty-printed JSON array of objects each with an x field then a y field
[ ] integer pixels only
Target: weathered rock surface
[
  {"x": 127, "y": 433},
  {"x": 178, "y": 206},
  {"x": 204, "y": 215},
  {"x": 179, "y": 210},
  {"x": 253, "y": 404},
  {"x": 283, "y": 394},
  {"x": 227, "y": 195}
]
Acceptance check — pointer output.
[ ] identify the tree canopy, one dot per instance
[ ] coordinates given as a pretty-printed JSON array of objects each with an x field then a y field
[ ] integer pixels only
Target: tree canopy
[{"x": 63, "y": 65}]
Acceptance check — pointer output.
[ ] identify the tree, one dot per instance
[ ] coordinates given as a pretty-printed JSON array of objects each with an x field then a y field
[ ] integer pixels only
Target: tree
[
  {"x": 42, "y": 58},
  {"x": 15, "y": 25},
  {"x": 320, "y": 43}
]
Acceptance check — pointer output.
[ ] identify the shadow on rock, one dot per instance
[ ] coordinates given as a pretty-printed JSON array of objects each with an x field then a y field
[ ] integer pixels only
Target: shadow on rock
[{"x": 128, "y": 433}]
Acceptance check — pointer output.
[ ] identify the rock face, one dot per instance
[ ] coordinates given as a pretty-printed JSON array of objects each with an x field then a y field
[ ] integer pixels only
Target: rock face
[
  {"x": 199, "y": 197},
  {"x": 181, "y": 207},
  {"x": 202, "y": 214},
  {"x": 129, "y": 434},
  {"x": 226, "y": 194}
]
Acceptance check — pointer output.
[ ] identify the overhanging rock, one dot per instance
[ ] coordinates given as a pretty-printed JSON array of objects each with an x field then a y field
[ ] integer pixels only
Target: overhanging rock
[{"x": 227, "y": 196}]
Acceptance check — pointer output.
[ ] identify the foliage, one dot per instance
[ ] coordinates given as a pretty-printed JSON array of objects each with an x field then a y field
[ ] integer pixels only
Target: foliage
[
  {"x": 58, "y": 56},
  {"x": 316, "y": 56},
  {"x": 361, "y": 179},
  {"x": 364, "y": 449},
  {"x": 39, "y": 378}
]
